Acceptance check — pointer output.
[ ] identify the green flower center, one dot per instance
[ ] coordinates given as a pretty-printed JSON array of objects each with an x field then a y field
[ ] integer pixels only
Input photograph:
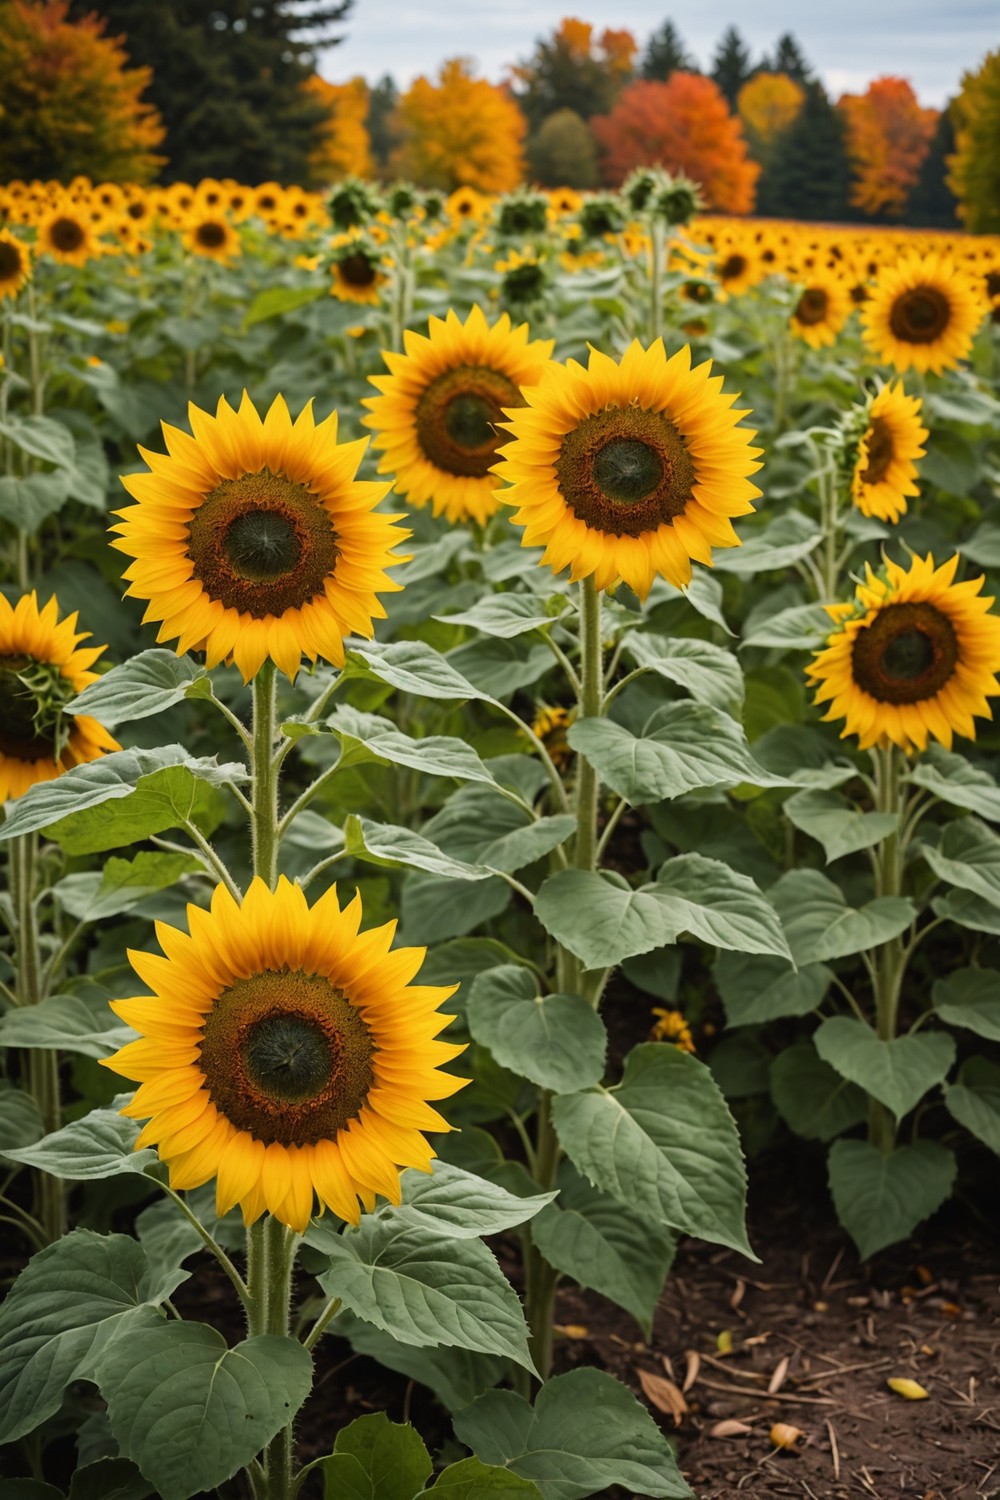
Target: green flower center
[{"x": 33, "y": 698}]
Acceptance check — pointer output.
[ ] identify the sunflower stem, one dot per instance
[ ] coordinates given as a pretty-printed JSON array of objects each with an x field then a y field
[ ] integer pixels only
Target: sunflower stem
[
  {"x": 657, "y": 245},
  {"x": 264, "y": 777},
  {"x": 270, "y": 1269},
  {"x": 888, "y": 960}
]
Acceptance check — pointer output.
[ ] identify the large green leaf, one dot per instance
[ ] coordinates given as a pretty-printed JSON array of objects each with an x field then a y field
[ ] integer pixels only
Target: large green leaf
[
  {"x": 804, "y": 627},
  {"x": 968, "y": 911},
  {"x": 709, "y": 673},
  {"x": 470, "y": 1479},
  {"x": 778, "y": 545},
  {"x": 819, "y": 924},
  {"x": 94, "y": 895},
  {"x": 387, "y": 844},
  {"x": 278, "y": 302},
  {"x": 953, "y": 780},
  {"x": 756, "y": 988},
  {"x": 605, "y": 1245},
  {"x": 480, "y": 827},
  {"x": 27, "y": 502},
  {"x": 366, "y": 737},
  {"x": 189, "y": 1411},
  {"x": 145, "y": 684},
  {"x": 67, "y": 1305},
  {"x": 20, "y": 1119},
  {"x": 833, "y": 822},
  {"x": 897, "y": 1073},
  {"x": 109, "y": 1479},
  {"x": 74, "y": 1022},
  {"x": 456, "y": 1376},
  {"x": 968, "y": 857},
  {"x": 663, "y": 1142},
  {"x": 410, "y": 667},
  {"x": 584, "y": 1433},
  {"x": 40, "y": 437},
  {"x": 556, "y": 1041},
  {"x": 812, "y": 1098},
  {"x": 499, "y": 668},
  {"x": 881, "y": 1197},
  {"x": 101, "y": 1144},
  {"x": 508, "y": 615},
  {"x": 426, "y": 1290},
  {"x": 392, "y": 1458},
  {"x": 970, "y": 998},
  {"x": 974, "y": 1101}
]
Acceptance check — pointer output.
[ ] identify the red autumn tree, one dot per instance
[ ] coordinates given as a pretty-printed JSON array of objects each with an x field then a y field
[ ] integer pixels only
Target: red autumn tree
[
  {"x": 69, "y": 102},
  {"x": 683, "y": 124},
  {"x": 888, "y": 137}
]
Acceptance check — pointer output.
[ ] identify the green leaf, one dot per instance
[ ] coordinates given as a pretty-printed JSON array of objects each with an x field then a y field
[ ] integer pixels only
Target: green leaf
[
  {"x": 109, "y": 1479},
  {"x": 605, "y": 1245},
  {"x": 804, "y": 627},
  {"x": 602, "y": 920},
  {"x": 898, "y": 1073},
  {"x": 344, "y": 1478},
  {"x": 585, "y": 1433},
  {"x": 426, "y": 1290},
  {"x": 756, "y": 989},
  {"x": 975, "y": 1101},
  {"x": 499, "y": 668},
  {"x": 880, "y": 1197},
  {"x": 953, "y": 780},
  {"x": 101, "y": 1144},
  {"x": 709, "y": 673},
  {"x": 145, "y": 684},
  {"x": 470, "y": 1479},
  {"x": 833, "y": 822},
  {"x": 434, "y": 907},
  {"x": 392, "y": 1456},
  {"x": 969, "y": 998},
  {"x": 65, "y": 1307},
  {"x": 460, "y": 1205},
  {"x": 819, "y": 924},
  {"x": 684, "y": 746},
  {"x": 92, "y": 896},
  {"x": 812, "y": 1098},
  {"x": 508, "y": 615},
  {"x": 480, "y": 827},
  {"x": 950, "y": 463},
  {"x": 411, "y": 667},
  {"x": 456, "y": 1376},
  {"x": 20, "y": 1121},
  {"x": 968, "y": 857},
  {"x": 276, "y": 301},
  {"x": 189, "y": 1411},
  {"x": 28, "y": 502},
  {"x": 368, "y": 737},
  {"x": 556, "y": 1041},
  {"x": 73, "y": 1022},
  {"x": 385, "y": 844},
  {"x": 663, "y": 1142},
  {"x": 42, "y": 438},
  {"x": 778, "y": 545},
  {"x": 968, "y": 911},
  {"x": 799, "y": 754}
]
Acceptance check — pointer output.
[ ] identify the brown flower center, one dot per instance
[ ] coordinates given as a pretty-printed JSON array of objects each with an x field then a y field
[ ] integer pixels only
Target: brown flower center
[
  {"x": 733, "y": 266},
  {"x": 262, "y": 544},
  {"x": 457, "y": 418},
  {"x": 812, "y": 307},
  {"x": 211, "y": 234},
  {"x": 357, "y": 270},
  {"x": 906, "y": 655},
  {"x": 11, "y": 262},
  {"x": 880, "y": 449},
  {"x": 66, "y": 234},
  {"x": 920, "y": 316},
  {"x": 625, "y": 471},
  {"x": 287, "y": 1057}
]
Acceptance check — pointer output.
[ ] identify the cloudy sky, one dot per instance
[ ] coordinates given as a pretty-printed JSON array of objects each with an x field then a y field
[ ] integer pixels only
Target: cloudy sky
[{"x": 931, "y": 42}]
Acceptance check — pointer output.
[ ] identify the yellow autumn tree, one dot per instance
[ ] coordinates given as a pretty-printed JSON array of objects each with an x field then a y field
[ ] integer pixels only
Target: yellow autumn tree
[
  {"x": 974, "y": 170},
  {"x": 461, "y": 131},
  {"x": 767, "y": 104},
  {"x": 344, "y": 147}
]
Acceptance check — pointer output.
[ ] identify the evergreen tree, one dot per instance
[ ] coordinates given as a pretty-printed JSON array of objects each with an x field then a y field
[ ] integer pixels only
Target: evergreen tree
[
  {"x": 565, "y": 73},
  {"x": 563, "y": 153},
  {"x": 932, "y": 204},
  {"x": 788, "y": 58},
  {"x": 732, "y": 66},
  {"x": 665, "y": 54},
  {"x": 227, "y": 80},
  {"x": 383, "y": 99},
  {"x": 809, "y": 177}
]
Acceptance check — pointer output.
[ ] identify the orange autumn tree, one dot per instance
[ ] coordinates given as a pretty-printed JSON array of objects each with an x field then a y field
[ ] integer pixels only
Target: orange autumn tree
[
  {"x": 69, "y": 102},
  {"x": 888, "y": 136},
  {"x": 683, "y": 124},
  {"x": 460, "y": 132},
  {"x": 344, "y": 148},
  {"x": 767, "y": 104}
]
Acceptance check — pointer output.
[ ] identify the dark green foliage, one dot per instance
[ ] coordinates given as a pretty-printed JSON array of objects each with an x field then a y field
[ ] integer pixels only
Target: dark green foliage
[
  {"x": 732, "y": 66},
  {"x": 665, "y": 54},
  {"x": 809, "y": 177},
  {"x": 227, "y": 80},
  {"x": 932, "y": 203},
  {"x": 788, "y": 58},
  {"x": 383, "y": 98},
  {"x": 562, "y": 153},
  {"x": 557, "y": 78}
]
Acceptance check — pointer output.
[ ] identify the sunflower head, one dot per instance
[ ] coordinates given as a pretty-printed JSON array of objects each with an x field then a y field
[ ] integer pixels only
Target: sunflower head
[
  {"x": 67, "y": 234},
  {"x": 823, "y": 308},
  {"x": 628, "y": 470},
  {"x": 253, "y": 539},
  {"x": 210, "y": 234},
  {"x": 922, "y": 313},
  {"x": 883, "y": 441},
  {"x": 286, "y": 1054},
  {"x": 550, "y": 725},
  {"x": 356, "y": 269},
  {"x": 15, "y": 264},
  {"x": 914, "y": 657}
]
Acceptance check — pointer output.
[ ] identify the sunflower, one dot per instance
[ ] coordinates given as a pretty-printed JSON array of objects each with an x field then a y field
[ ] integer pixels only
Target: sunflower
[
  {"x": 356, "y": 272},
  {"x": 66, "y": 234},
  {"x": 15, "y": 264},
  {"x": 628, "y": 470},
  {"x": 823, "y": 308},
  {"x": 916, "y": 655},
  {"x": 42, "y": 668},
  {"x": 738, "y": 269},
  {"x": 253, "y": 539},
  {"x": 286, "y": 1055},
  {"x": 922, "y": 314},
  {"x": 441, "y": 404},
  {"x": 209, "y": 233},
  {"x": 884, "y": 471}
]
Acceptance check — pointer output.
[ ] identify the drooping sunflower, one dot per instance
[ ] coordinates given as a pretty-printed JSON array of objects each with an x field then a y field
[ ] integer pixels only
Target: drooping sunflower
[
  {"x": 42, "y": 668},
  {"x": 66, "y": 234},
  {"x": 915, "y": 656},
  {"x": 885, "y": 470},
  {"x": 438, "y": 417},
  {"x": 823, "y": 308},
  {"x": 922, "y": 314},
  {"x": 209, "y": 233},
  {"x": 15, "y": 264},
  {"x": 628, "y": 470},
  {"x": 253, "y": 539},
  {"x": 286, "y": 1054}
]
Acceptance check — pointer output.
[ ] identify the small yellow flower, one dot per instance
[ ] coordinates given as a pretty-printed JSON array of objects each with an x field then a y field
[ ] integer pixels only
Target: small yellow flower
[{"x": 672, "y": 1027}]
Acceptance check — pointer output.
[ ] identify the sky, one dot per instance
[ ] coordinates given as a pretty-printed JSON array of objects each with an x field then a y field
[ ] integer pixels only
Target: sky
[{"x": 931, "y": 42}]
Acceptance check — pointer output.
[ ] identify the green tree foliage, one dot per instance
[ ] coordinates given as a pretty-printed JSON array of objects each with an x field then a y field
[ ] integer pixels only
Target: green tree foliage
[
  {"x": 932, "y": 204},
  {"x": 565, "y": 72},
  {"x": 732, "y": 65},
  {"x": 563, "y": 153},
  {"x": 227, "y": 80},
  {"x": 383, "y": 100},
  {"x": 809, "y": 177},
  {"x": 665, "y": 54},
  {"x": 974, "y": 175},
  {"x": 789, "y": 58}
]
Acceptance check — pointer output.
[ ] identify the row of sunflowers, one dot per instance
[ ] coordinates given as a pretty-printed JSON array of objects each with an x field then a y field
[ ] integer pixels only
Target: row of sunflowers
[{"x": 464, "y": 606}]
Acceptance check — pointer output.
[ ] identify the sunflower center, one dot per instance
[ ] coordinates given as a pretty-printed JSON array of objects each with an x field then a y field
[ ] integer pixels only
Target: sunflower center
[
  {"x": 357, "y": 270},
  {"x": 920, "y": 316},
  {"x": 66, "y": 234},
  {"x": 10, "y": 260},
  {"x": 993, "y": 284},
  {"x": 33, "y": 695},
  {"x": 457, "y": 416},
  {"x": 734, "y": 265},
  {"x": 878, "y": 444},
  {"x": 287, "y": 1057},
  {"x": 625, "y": 471},
  {"x": 812, "y": 307},
  {"x": 906, "y": 655},
  {"x": 211, "y": 235},
  {"x": 262, "y": 544}
]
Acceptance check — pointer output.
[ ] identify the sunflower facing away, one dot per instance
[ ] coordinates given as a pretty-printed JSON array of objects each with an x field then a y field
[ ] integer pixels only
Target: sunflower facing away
[
  {"x": 286, "y": 1054},
  {"x": 442, "y": 405},
  {"x": 15, "y": 264},
  {"x": 922, "y": 314},
  {"x": 253, "y": 539},
  {"x": 885, "y": 470},
  {"x": 42, "y": 668},
  {"x": 629, "y": 470},
  {"x": 915, "y": 656}
]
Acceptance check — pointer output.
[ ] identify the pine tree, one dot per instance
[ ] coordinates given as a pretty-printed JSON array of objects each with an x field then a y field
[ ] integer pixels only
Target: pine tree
[
  {"x": 788, "y": 58},
  {"x": 732, "y": 65},
  {"x": 383, "y": 100},
  {"x": 932, "y": 204},
  {"x": 565, "y": 72},
  {"x": 228, "y": 80},
  {"x": 974, "y": 170},
  {"x": 665, "y": 54},
  {"x": 563, "y": 153},
  {"x": 809, "y": 177}
]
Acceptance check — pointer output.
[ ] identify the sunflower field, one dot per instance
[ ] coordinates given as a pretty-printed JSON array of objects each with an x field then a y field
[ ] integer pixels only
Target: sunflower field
[{"x": 496, "y": 745}]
